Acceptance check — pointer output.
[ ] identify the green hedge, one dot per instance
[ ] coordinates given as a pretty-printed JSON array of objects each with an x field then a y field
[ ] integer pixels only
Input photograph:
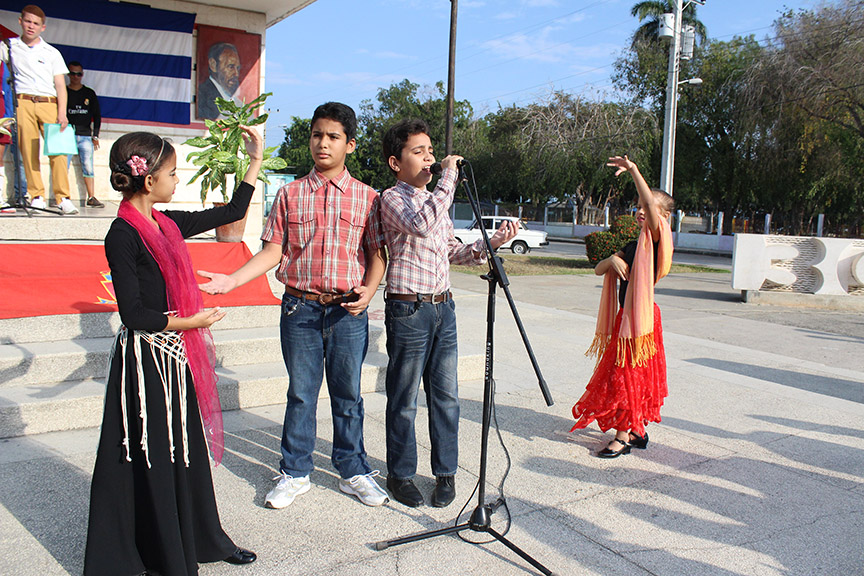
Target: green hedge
[{"x": 601, "y": 245}]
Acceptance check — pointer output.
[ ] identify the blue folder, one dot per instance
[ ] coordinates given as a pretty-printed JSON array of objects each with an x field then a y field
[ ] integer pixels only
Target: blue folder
[{"x": 58, "y": 143}]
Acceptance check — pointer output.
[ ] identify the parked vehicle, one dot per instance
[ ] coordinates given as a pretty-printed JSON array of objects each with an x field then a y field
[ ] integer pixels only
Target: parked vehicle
[{"x": 522, "y": 243}]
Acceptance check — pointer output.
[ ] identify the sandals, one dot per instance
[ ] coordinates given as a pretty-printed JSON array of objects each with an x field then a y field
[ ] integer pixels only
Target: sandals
[
  {"x": 608, "y": 452},
  {"x": 637, "y": 441},
  {"x": 634, "y": 441}
]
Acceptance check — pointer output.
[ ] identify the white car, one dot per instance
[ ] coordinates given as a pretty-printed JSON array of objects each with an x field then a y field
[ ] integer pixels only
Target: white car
[{"x": 522, "y": 243}]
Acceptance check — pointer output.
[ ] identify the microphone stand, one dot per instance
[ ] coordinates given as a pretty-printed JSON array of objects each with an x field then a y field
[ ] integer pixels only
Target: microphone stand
[
  {"x": 481, "y": 517},
  {"x": 20, "y": 199}
]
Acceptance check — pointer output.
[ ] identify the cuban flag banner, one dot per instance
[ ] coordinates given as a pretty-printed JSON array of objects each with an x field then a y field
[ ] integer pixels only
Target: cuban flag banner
[{"x": 137, "y": 59}]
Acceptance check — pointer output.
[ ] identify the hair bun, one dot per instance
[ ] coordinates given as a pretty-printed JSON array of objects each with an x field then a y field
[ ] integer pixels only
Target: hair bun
[{"x": 122, "y": 182}]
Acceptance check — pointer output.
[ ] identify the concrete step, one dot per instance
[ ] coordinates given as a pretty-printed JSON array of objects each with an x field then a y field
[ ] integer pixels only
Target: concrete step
[
  {"x": 36, "y": 363},
  {"x": 34, "y": 409},
  {"x": 43, "y": 227},
  {"x": 106, "y": 324}
]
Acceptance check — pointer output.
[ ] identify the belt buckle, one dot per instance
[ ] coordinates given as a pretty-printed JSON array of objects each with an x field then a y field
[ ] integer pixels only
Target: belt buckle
[{"x": 325, "y": 299}]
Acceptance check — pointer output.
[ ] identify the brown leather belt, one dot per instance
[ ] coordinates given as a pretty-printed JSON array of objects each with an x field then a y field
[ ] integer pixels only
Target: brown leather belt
[
  {"x": 428, "y": 298},
  {"x": 34, "y": 98},
  {"x": 326, "y": 298}
]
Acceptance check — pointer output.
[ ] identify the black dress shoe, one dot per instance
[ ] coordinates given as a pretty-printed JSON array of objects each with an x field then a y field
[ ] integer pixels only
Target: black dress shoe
[
  {"x": 444, "y": 492},
  {"x": 608, "y": 452},
  {"x": 637, "y": 441},
  {"x": 241, "y": 556},
  {"x": 403, "y": 490}
]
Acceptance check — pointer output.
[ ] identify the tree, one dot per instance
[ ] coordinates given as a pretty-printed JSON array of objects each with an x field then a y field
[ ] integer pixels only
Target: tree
[
  {"x": 816, "y": 64},
  {"x": 557, "y": 148},
  {"x": 717, "y": 150},
  {"x": 807, "y": 94}
]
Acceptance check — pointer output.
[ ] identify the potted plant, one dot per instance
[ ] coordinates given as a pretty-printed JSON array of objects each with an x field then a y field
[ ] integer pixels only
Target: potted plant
[{"x": 225, "y": 153}]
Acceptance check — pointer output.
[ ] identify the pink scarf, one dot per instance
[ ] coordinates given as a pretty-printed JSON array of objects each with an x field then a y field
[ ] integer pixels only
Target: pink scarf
[
  {"x": 636, "y": 335},
  {"x": 168, "y": 248}
]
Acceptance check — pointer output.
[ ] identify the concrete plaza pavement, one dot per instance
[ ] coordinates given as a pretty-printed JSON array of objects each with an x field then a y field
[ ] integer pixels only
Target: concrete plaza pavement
[{"x": 756, "y": 469}]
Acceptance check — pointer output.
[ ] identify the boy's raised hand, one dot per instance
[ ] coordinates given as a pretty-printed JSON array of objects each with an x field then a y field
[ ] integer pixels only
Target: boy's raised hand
[
  {"x": 622, "y": 163},
  {"x": 504, "y": 234}
]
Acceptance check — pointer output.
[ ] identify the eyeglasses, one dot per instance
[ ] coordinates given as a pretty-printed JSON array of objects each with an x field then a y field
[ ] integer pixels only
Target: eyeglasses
[{"x": 76, "y": 73}]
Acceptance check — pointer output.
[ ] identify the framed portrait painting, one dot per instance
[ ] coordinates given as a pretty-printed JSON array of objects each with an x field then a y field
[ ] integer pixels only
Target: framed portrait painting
[{"x": 228, "y": 63}]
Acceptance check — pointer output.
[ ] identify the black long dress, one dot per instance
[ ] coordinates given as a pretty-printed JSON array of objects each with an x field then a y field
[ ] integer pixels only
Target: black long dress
[{"x": 155, "y": 512}]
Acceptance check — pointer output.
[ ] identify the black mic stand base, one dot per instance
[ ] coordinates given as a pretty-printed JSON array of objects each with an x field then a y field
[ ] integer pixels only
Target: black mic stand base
[{"x": 480, "y": 521}]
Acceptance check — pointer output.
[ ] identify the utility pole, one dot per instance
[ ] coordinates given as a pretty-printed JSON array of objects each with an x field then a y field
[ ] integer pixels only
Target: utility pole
[
  {"x": 451, "y": 80},
  {"x": 668, "y": 163}
]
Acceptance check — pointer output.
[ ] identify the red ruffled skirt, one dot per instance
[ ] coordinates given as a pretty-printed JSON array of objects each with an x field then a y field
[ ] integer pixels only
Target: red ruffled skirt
[{"x": 625, "y": 397}]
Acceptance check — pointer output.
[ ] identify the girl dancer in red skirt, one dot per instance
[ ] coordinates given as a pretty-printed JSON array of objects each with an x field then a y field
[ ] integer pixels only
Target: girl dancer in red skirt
[{"x": 629, "y": 382}]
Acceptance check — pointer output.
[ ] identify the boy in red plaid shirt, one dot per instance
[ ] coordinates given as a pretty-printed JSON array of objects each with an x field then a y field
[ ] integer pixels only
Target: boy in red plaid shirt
[{"x": 324, "y": 233}]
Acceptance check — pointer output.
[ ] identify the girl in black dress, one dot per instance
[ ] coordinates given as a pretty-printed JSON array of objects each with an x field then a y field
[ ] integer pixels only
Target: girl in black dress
[{"x": 152, "y": 506}]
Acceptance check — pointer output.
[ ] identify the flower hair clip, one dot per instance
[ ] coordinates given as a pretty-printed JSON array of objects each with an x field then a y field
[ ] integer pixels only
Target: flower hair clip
[{"x": 138, "y": 165}]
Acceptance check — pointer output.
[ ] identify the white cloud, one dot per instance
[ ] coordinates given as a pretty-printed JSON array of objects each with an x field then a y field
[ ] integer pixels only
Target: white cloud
[
  {"x": 540, "y": 3},
  {"x": 538, "y": 47},
  {"x": 394, "y": 55}
]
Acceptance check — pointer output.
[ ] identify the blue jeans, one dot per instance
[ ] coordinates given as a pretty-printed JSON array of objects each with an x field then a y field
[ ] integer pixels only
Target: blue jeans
[
  {"x": 19, "y": 181},
  {"x": 421, "y": 344},
  {"x": 85, "y": 155},
  {"x": 318, "y": 339}
]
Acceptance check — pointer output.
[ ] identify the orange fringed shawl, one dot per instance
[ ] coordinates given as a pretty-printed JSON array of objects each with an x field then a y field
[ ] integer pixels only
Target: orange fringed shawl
[{"x": 635, "y": 337}]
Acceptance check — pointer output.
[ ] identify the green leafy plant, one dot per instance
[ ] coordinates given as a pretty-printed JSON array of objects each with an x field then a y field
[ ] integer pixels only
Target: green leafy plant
[
  {"x": 225, "y": 151},
  {"x": 625, "y": 228},
  {"x": 601, "y": 245}
]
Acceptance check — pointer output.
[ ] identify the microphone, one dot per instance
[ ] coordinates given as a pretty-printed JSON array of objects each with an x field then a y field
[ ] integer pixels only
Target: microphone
[{"x": 436, "y": 168}]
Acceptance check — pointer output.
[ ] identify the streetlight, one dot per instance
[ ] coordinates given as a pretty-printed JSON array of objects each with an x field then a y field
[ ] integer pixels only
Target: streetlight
[{"x": 668, "y": 163}]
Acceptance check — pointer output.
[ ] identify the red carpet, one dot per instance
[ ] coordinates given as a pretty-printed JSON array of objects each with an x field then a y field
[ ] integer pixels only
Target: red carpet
[{"x": 49, "y": 279}]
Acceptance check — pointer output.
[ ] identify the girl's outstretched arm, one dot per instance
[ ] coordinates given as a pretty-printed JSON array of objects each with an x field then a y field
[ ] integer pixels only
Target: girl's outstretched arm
[{"x": 646, "y": 195}]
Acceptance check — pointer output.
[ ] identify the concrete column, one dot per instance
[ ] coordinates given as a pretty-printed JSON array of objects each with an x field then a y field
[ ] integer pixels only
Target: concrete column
[
  {"x": 719, "y": 223},
  {"x": 767, "y": 224},
  {"x": 820, "y": 223},
  {"x": 545, "y": 215},
  {"x": 678, "y": 220},
  {"x": 606, "y": 217}
]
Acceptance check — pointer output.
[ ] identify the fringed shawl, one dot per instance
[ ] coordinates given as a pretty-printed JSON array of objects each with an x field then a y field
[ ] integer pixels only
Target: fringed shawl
[
  {"x": 635, "y": 338},
  {"x": 166, "y": 245}
]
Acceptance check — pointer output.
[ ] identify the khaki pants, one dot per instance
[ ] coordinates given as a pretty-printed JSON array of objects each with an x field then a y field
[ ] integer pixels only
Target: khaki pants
[{"x": 32, "y": 116}]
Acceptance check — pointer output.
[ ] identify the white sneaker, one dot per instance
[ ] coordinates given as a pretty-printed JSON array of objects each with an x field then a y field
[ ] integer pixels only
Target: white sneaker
[
  {"x": 67, "y": 207},
  {"x": 6, "y": 208},
  {"x": 365, "y": 488},
  {"x": 38, "y": 203},
  {"x": 286, "y": 490}
]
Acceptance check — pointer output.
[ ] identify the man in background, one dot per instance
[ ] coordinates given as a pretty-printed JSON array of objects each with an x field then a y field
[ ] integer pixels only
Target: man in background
[{"x": 82, "y": 109}]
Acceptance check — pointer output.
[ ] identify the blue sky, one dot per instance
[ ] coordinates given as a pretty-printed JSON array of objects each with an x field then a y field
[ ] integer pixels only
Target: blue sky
[{"x": 508, "y": 51}]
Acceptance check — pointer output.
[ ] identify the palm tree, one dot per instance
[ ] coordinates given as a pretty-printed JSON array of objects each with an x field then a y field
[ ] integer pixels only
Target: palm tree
[{"x": 652, "y": 9}]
